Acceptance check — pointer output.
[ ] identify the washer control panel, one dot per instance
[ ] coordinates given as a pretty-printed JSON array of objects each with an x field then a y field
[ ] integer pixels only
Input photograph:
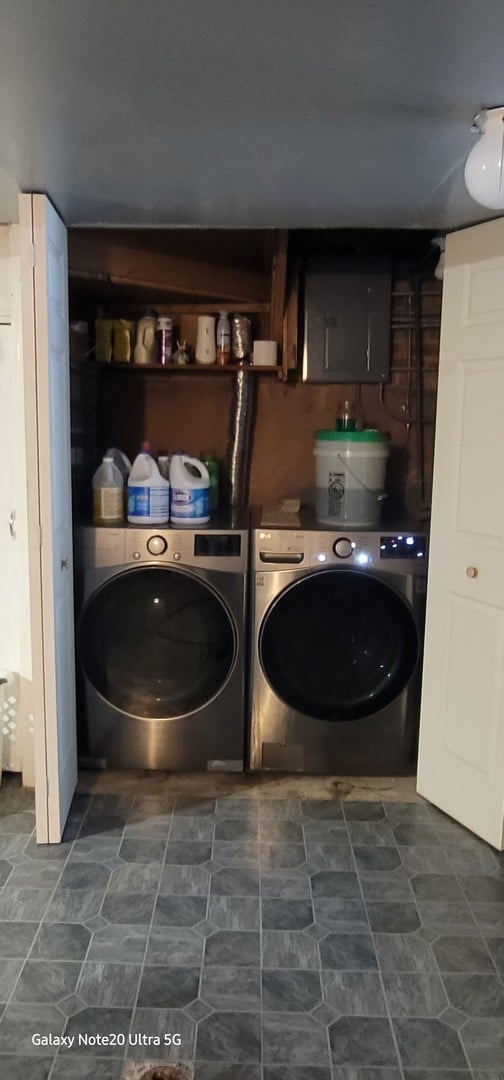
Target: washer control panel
[
  {"x": 211, "y": 550},
  {"x": 343, "y": 547},
  {"x": 156, "y": 545}
]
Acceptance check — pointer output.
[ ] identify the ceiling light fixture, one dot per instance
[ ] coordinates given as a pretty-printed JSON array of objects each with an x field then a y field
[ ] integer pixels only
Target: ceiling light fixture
[{"x": 484, "y": 168}]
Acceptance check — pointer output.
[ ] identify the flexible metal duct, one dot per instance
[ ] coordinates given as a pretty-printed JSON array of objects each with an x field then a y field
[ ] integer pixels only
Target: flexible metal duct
[{"x": 239, "y": 445}]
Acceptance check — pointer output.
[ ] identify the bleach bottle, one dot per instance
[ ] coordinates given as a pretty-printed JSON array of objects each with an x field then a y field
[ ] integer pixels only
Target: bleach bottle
[
  {"x": 108, "y": 499},
  {"x": 148, "y": 493},
  {"x": 190, "y": 483}
]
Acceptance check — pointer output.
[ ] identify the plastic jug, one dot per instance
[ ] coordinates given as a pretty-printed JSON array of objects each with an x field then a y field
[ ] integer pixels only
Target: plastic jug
[
  {"x": 146, "y": 349},
  {"x": 108, "y": 494},
  {"x": 164, "y": 465},
  {"x": 121, "y": 460},
  {"x": 190, "y": 482},
  {"x": 148, "y": 493},
  {"x": 208, "y": 458}
]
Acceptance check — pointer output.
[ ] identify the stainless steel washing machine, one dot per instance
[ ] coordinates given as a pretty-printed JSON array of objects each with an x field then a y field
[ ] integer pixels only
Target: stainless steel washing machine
[
  {"x": 160, "y": 644},
  {"x": 337, "y": 632}
]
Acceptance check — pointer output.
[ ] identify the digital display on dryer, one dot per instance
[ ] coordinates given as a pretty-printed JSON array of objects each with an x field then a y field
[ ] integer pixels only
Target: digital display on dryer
[
  {"x": 403, "y": 546},
  {"x": 217, "y": 545}
]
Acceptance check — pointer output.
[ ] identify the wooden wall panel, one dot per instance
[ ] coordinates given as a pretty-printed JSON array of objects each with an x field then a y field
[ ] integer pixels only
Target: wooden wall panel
[{"x": 173, "y": 412}]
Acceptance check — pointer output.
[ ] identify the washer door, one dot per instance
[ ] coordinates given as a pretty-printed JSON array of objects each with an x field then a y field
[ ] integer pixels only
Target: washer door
[
  {"x": 156, "y": 642},
  {"x": 338, "y": 645}
]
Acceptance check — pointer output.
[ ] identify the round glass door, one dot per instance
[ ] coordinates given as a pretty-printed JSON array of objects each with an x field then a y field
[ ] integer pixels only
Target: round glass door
[
  {"x": 156, "y": 642},
  {"x": 338, "y": 645}
]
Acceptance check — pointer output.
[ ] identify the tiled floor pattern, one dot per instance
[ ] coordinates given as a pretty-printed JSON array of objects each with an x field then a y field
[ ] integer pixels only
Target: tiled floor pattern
[{"x": 282, "y": 938}]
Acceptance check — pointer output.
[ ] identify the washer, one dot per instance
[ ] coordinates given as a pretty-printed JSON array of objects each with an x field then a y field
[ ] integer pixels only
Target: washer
[
  {"x": 160, "y": 644},
  {"x": 337, "y": 633}
]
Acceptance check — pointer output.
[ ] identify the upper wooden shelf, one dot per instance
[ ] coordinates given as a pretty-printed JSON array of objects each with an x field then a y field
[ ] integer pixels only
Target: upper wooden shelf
[
  {"x": 192, "y": 369},
  {"x": 198, "y": 264},
  {"x": 182, "y": 273}
]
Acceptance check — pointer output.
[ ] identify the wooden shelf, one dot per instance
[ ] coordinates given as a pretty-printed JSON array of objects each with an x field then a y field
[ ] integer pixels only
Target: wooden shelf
[{"x": 191, "y": 369}]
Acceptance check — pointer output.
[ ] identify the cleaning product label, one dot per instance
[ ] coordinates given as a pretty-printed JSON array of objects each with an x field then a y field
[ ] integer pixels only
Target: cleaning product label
[
  {"x": 108, "y": 504},
  {"x": 336, "y": 491},
  {"x": 189, "y": 503},
  {"x": 148, "y": 501}
]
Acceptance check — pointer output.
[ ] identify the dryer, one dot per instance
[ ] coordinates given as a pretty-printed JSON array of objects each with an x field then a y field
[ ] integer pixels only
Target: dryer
[
  {"x": 337, "y": 634},
  {"x": 160, "y": 646}
]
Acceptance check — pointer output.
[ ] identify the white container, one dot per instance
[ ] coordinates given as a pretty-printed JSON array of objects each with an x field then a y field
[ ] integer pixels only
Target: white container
[
  {"x": 164, "y": 465},
  {"x": 146, "y": 350},
  {"x": 350, "y": 476},
  {"x": 189, "y": 491},
  {"x": 205, "y": 340},
  {"x": 121, "y": 460},
  {"x": 148, "y": 493},
  {"x": 264, "y": 353},
  {"x": 108, "y": 494}
]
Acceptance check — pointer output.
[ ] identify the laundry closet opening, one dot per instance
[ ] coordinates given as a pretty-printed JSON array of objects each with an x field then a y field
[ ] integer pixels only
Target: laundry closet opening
[{"x": 168, "y": 703}]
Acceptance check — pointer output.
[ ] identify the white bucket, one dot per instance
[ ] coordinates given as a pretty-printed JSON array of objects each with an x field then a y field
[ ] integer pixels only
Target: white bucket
[
  {"x": 148, "y": 493},
  {"x": 350, "y": 476}
]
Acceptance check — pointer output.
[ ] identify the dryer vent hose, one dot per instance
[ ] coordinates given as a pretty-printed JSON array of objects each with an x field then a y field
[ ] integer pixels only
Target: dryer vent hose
[{"x": 239, "y": 444}]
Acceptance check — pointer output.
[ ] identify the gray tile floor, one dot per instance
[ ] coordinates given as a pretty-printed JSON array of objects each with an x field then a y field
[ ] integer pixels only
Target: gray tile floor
[{"x": 278, "y": 938}]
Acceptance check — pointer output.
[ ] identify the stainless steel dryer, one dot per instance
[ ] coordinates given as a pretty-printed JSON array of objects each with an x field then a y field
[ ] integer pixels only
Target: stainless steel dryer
[
  {"x": 160, "y": 646},
  {"x": 337, "y": 636}
]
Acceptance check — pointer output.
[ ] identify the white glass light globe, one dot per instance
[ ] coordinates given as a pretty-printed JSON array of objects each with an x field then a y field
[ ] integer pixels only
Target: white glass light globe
[{"x": 484, "y": 168}]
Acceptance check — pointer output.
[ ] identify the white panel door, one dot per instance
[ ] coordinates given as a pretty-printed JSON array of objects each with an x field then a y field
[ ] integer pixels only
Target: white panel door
[
  {"x": 14, "y": 600},
  {"x": 461, "y": 753},
  {"x": 45, "y": 325},
  {"x": 10, "y": 642}
]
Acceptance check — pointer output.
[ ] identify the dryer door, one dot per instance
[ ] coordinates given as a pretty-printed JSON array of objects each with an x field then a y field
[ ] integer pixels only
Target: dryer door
[
  {"x": 156, "y": 642},
  {"x": 338, "y": 645}
]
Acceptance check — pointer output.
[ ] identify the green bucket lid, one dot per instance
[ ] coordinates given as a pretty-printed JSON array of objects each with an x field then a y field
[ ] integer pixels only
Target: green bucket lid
[{"x": 366, "y": 435}]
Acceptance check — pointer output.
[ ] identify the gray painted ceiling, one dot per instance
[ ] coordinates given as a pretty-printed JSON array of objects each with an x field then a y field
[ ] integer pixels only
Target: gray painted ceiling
[{"x": 246, "y": 113}]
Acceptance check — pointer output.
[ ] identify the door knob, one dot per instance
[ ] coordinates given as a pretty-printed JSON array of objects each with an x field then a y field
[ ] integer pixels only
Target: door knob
[
  {"x": 471, "y": 571},
  {"x": 64, "y": 564},
  {"x": 12, "y": 524}
]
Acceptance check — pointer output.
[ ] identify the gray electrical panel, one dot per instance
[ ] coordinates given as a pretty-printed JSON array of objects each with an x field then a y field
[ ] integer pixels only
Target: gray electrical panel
[{"x": 347, "y": 304}]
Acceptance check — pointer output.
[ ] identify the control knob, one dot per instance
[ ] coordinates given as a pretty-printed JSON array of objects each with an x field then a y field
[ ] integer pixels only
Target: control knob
[
  {"x": 342, "y": 548},
  {"x": 156, "y": 545}
]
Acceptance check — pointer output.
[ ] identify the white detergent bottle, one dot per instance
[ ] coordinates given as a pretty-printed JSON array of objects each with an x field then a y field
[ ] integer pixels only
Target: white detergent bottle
[
  {"x": 121, "y": 460},
  {"x": 148, "y": 493},
  {"x": 108, "y": 489},
  {"x": 190, "y": 483}
]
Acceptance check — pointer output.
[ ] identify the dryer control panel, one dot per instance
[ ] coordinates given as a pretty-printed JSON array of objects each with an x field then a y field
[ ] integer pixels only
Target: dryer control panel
[
  {"x": 286, "y": 549},
  {"x": 403, "y": 546}
]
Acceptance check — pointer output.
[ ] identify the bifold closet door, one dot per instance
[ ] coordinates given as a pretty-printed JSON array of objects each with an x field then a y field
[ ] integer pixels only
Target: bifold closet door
[
  {"x": 461, "y": 754},
  {"x": 44, "y": 280}
]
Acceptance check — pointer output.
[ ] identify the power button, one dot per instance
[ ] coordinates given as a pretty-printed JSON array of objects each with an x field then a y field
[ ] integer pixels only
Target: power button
[
  {"x": 342, "y": 548},
  {"x": 156, "y": 545}
]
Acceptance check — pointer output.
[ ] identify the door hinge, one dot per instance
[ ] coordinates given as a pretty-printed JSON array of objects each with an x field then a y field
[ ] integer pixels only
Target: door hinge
[
  {"x": 32, "y": 255},
  {"x": 40, "y": 536}
]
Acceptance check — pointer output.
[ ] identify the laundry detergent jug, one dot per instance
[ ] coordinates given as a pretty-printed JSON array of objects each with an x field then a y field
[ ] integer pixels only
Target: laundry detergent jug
[
  {"x": 108, "y": 488},
  {"x": 190, "y": 483},
  {"x": 148, "y": 493}
]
